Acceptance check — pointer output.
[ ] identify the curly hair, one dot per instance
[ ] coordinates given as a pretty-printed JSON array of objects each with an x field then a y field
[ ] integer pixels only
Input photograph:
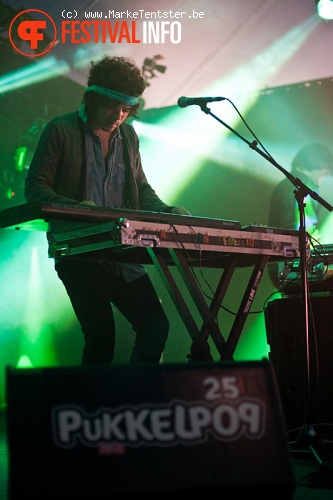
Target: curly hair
[
  {"x": 313, "y": 156},
  {"x": 115, "y": 73}
]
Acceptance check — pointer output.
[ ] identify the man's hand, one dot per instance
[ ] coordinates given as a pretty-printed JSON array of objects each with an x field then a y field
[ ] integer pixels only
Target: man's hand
[{"x": 180, "y": 211}]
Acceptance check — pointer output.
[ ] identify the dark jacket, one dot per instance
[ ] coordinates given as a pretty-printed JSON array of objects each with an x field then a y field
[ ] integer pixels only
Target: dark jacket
[{"x": 58, "y": 172}]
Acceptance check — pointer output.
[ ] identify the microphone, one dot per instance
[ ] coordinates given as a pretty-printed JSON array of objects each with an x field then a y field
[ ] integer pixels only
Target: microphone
[{"x": 183, "y": 101}]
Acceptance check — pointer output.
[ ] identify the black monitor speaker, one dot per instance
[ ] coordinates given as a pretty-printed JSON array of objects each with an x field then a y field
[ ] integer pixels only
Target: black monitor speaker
[
  {"x": 303, "y": 366},
  {"x": 114, "y": 432}
]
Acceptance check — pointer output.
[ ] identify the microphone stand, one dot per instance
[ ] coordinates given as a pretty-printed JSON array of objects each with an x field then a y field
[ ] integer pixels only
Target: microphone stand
[{"x": 307, "y": 435}]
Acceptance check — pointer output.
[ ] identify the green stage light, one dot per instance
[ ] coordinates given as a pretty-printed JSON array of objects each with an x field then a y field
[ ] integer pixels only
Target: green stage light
[
  {"x": 20, "y": 157},
  {"x": 9, "y": 193},
  {"x": 325, "y": 9}
]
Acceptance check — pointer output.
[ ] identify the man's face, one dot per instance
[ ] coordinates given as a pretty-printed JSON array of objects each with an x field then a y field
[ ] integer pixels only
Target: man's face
[{"x": 110, "y": 116}]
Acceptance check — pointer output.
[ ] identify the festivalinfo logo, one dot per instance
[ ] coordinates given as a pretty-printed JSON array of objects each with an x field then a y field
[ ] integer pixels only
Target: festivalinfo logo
[
  {"x": 28, "y": 33},
  {"x": 33, "y": 32}
]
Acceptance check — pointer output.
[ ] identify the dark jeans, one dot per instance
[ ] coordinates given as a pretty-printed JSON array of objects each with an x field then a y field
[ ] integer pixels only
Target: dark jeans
[{"x": 92, "y": 289}]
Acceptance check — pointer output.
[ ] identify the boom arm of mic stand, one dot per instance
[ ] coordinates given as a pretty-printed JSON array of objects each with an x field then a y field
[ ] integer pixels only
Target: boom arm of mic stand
[
  {"x": 301, "y": 192},
  {"x": 253, "y": 145}
]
